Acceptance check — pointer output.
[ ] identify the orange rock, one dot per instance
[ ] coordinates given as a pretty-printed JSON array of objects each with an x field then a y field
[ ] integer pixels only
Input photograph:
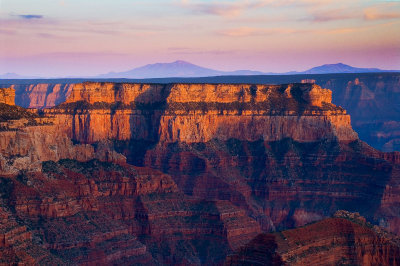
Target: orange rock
[{"x": 7, "y": 96}]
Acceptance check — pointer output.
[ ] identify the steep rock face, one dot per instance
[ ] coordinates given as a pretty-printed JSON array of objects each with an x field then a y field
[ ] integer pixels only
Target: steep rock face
[
  {"x": 41, "y": 95},
  {"x": 201, "y": 112},
  {"x": 102, "y": 213},
  {"x": 25, "y": 149},
  {"x": 370, "y": 98},
  {"x": 274, "y": 151},
  {"x": 284, "y": 183},
  {"x": 329, "y": 242},
  {"x": 27, "y": 139},
  {"x": 16, "y": 242},
  {"x": 7, "y": 96}
]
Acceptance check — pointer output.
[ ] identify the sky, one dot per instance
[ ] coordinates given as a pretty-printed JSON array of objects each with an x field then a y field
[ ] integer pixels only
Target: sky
[{"x": 53, "y": 38}]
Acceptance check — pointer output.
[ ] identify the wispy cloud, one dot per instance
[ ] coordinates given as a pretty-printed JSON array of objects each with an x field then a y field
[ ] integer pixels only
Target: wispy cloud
[
  {"x": 333, "y": 15},
  {"x": 382, "y": 12},
  {"x": 220, "y": 9},
  {"x": 235, "y": 8},
  {"x": 29, "y": 17},
  {"x": 55, "y": 28},
  {"x": 250, "y": 31},
  {"x": 191, "y": 51}
]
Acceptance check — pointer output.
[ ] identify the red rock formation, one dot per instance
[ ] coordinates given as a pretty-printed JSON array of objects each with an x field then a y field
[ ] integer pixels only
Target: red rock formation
[
  {"x": 247, "y": 157},
  {"x": 329, "y": 242},
  {"x": 7, "y": 96},
  {"x": 370, "y": 98},
  {"x": 25, "y": 149},
  {"x": 97, "y": 212},
  {"x": 243, "y": 131},
  {"x": 201, "y": 112},
  {"x": 41, "y": 95},
  {"x": 25, "y": 143}
]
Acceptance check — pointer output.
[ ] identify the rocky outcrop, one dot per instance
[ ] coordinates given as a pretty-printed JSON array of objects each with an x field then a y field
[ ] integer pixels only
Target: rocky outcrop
[
  {"x": 41, "y": 95},
  {"x": 232, "y": 161},
  {"x": 370, "y": 98},
  {"x": 103, "y": 213},
  {"x": 7, "y": 96},
  {"x": 243, "y": 143},
  {"x": 25, "y": 143},
  {"x": 26, "y": 148},
  {"x": 201, "y": 112},
  {"x": 329, "y": 242},
  {"x": 284, "y": 183},
  {"x": 27, "y": 139}
]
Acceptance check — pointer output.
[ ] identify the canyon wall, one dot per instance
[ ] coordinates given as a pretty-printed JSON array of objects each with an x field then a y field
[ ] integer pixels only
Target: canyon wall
[
  {"x": 7, "y": 96},
  {"x": 215, "y": 165},
  {"x": 40, "y": 95},
  {"x": 91, "y": 213},
  {"x": 201, "y": 112},
  {"x": 27, "y": 147},
  {"x": 265, "y": 148},
  {"x": 370, "y": 98},
  {"x": 333, "y": 241},
  {"x": 27, "y": 139}
]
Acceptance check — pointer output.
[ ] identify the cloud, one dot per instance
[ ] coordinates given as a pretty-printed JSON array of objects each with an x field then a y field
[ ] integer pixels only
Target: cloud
[
  {"x": 382, "y": 12},
  {"x": 250, "y": 31},
  {"x": 219, "y": 9},
  {"x": 333, "y": 15},
  {"x": 190, "y": 51},
  {"x": 29, "y": 17},
  {"x": 235, "y": 8}
]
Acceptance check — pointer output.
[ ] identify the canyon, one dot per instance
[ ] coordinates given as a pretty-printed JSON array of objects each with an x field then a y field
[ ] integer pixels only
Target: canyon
[
  {"x": 370, "y": 98},
  {"x": 124, "y": 173},
  {"x": 345, "y": 239}
]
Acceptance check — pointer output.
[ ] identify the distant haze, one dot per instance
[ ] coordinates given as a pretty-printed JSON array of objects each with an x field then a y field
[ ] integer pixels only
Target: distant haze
[
  {"x": 58, "y": 38},
  {"x": 185, "y": 69}
]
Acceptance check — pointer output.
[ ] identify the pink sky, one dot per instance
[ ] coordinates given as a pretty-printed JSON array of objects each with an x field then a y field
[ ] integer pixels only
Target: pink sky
[{"x": 85, "y": 37}]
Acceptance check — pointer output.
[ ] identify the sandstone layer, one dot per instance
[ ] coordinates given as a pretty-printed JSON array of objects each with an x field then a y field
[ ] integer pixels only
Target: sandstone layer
[
  {"x": 41, "y": 95},
  {"x": 201, "y": 112},
  {"x": 370, "y": 98},
  {"x": 215, "y": 166},
  {"x": 332, "y": 241},
  {"x": 272, "y": 150},
  {"x": 7, "y": 96},
  {"x": 27, "y": 139},
  {"x": 103, "y": 213}
]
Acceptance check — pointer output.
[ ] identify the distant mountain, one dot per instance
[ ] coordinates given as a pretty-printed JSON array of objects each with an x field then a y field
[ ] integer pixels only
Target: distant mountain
[
  {"x": 15, "y": 76},
  {"x": 162, "y": 70},
  {"x": 175, "y": 69},
  {"x": 340, "y": 68},
  {"x": 183, "y": 69}
]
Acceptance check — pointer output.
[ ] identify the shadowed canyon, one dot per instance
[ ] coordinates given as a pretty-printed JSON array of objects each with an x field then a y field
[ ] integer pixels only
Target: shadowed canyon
[{"x": 200, "y": 173}]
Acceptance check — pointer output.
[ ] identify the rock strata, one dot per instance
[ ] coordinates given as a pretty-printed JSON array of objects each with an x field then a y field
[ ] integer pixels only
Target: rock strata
[
  {"x": 201, "y": 112},
  {"x": 104, "y": 213},
  {"x": 329, "y": 242},
  {"x": 7, "y": 96}
]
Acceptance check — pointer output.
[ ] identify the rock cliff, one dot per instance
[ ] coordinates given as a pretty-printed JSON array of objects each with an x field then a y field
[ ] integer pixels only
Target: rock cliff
[
  {"x": 370, "y": 98},
  {"x": 215, "y": 165},
  {"x": 103, "y": 213},
  {"x": 201, "y": 112},
  {"x": 27, "y": 139},
  {"x": 7, "y": 96},
  {"x": 332, "y": 241},
  {"x": 244, "y": 143},
  {"x": 41, "y": 95}
]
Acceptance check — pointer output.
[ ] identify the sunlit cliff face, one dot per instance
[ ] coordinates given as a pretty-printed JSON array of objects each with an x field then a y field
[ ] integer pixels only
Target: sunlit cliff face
[{"x": 200, "y": 112}]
